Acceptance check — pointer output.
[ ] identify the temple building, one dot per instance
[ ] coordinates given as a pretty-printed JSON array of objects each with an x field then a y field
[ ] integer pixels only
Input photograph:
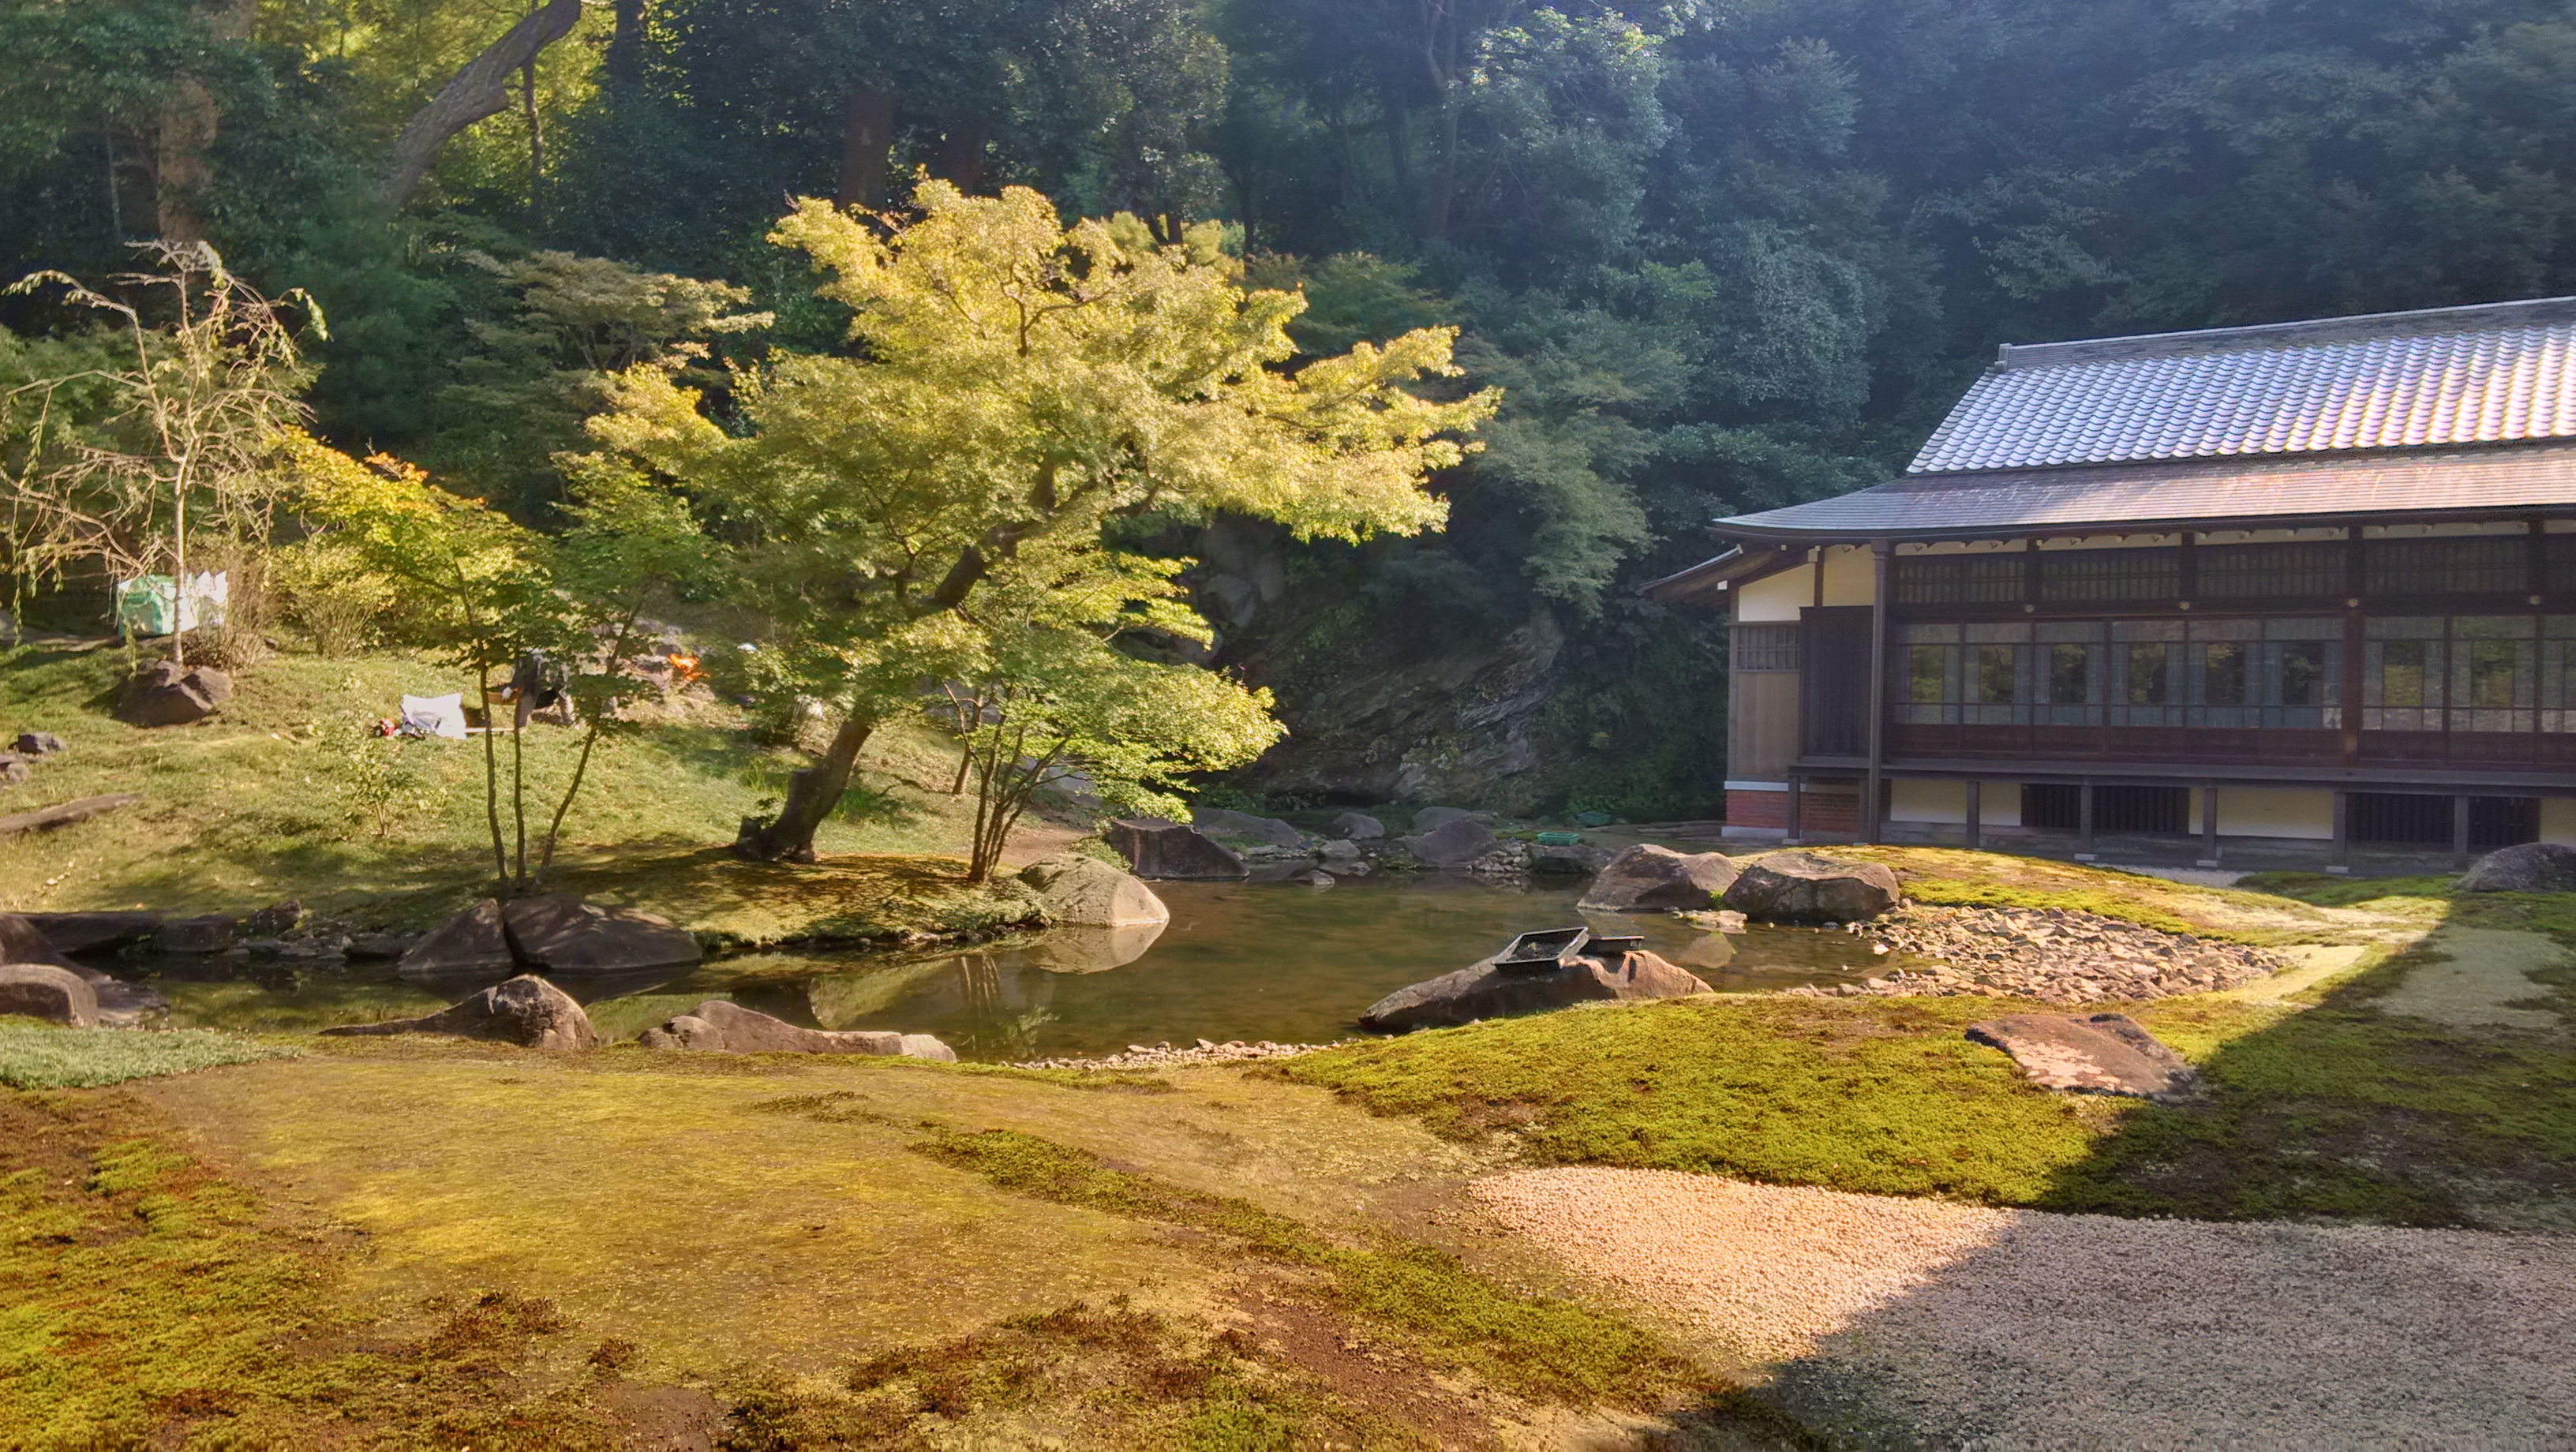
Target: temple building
[{"x": 2273, "y": 593}]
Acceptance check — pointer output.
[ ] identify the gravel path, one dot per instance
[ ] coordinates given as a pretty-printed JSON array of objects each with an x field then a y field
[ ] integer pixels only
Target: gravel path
[{"x": 1913, "y": 1322}]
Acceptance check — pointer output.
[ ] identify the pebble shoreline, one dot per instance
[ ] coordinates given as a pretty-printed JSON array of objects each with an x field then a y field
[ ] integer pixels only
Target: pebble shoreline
[
  {"x": 2053, "y": 955},
  {"x": 1164, "y": 1056}
]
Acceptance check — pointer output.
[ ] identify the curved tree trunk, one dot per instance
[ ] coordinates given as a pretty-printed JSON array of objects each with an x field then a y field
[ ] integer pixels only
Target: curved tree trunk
[
  {"x": 479, "y": 90},
  {"x": 812, "y": 793}
]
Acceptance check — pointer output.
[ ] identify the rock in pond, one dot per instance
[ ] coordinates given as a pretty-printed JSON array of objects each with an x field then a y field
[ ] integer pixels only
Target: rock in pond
[
  {"x": 1804, "y": 887},
  {"x": 1085, "y": 892},
  {"x": 526, "y": 1010},
  {"x": 82, "y": 932},
  {"x": 1157, "y": 849},
  {"x": 721, "y": 1026},
  {"x": 200, "y": 935},
  {"x": 1454, "y": 843},
  {"x": 560, "y": 934},
  {"x": 2105, "y": 1053},
  {"x": 43, "y": 991},
  {"x": 470, "y": 944},
  {"x": 162, "y": 694},
  {"x": 1355, "y": 827},
  {"x": 2531, "y": 867},
  {"x": 1645, "y": 879},
  {"x": 1432, "y": 819},
  {"x": 1484, "y": 991},
  {"x": 23, "y": 940},
  {"x": 1269, "y": 831},
  {"x": 1577, "y": 859}
]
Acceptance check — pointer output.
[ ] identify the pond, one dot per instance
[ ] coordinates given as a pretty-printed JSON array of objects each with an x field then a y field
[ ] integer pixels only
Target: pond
[{"x": 1240, "y": 960}]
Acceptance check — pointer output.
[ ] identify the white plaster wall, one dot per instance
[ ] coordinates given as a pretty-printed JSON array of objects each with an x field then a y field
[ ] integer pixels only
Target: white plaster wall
[
  {"x": 2274, "y": 812},
  {"x": 1774, "y": 599},
  {"x": 1946, "y": 802},
  {"x": 2558, "y": 820},
  {"x": 1851, "y": 578}
]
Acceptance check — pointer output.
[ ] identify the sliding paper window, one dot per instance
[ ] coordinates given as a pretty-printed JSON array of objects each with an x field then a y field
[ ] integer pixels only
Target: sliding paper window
[
  {"x": 2469, "y": 673},
  {"x": 2222, "y": 673}
]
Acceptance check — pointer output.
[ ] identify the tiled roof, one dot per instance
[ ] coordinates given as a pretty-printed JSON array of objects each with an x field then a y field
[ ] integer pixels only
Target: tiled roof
[
  {"x": 2185, "y": 494},
  {"x": 2488, "y": 374}
]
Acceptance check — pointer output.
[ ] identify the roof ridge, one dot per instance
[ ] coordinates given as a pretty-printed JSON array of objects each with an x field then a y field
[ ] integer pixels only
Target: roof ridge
[{"x": 2420, "y": 322}]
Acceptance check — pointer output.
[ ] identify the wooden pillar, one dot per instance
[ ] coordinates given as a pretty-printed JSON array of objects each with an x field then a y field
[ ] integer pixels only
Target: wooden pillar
[
  {"x": 2342, "y": 863},
  {"x": 2460, "y": 831},
  {"x": 1874, "y": 790},
  {"x": 1976, "y": 814},
  {"x": 2084, "y": 823},
  {"x": 2209, "y": 824},
  {"x": 1797, "y": 789}
]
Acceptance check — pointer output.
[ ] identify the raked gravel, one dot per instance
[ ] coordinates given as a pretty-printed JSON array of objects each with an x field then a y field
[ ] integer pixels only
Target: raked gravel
[{"x": 1920, "y": 1323}]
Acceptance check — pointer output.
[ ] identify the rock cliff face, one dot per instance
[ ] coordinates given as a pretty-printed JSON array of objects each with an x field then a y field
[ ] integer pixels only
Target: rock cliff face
[{"x": 1459, "y": 726}]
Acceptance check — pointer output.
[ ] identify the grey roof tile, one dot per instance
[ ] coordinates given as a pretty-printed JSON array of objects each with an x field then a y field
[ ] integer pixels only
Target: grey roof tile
[
  {"x": 2537, "y": 477},
  {"x": 2489, "y": 374}
]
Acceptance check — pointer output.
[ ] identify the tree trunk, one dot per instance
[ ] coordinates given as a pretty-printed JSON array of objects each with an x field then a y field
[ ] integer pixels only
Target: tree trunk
[
  {"x": 812, "y": 793},
  {"x": 183, "y": 145},
  {"x": 480, "y": 89},
  {"x": 867, "y": 140},
  {"x": 960, "y": 156},
  {"x": 625, "y": 61}
]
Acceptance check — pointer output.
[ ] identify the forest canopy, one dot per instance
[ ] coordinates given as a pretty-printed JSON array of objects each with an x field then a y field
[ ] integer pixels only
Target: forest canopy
[{"x": 1717, "y": 257}]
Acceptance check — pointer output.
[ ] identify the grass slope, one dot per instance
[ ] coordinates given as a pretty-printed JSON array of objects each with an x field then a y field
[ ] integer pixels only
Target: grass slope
[
  {"x": 283, "y": 794},
  {"x": 45, "y": 1057}
]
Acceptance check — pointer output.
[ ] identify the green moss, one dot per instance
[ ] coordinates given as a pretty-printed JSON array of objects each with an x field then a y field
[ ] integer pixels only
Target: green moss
[
  {"x": 1539, "y": 1346},
  {"x": 86, "y": 1058},
  {"x": 1880, "y": 1096}
]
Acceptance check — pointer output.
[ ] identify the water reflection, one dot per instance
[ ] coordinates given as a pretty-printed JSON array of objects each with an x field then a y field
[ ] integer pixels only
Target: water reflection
[{"x": 1239, "y": 960}]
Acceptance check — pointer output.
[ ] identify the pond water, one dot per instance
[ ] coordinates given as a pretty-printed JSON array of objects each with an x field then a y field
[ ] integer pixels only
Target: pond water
[{"x": 1249, "y": 960}]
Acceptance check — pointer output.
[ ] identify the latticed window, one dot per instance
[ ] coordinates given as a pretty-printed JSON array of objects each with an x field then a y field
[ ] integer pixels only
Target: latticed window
[
  {"x": 2275, "y": 674},
  {"x": 2114, "y": 574},
  {"x": 2485, "y": 673},
  {"x": 1989, "y": 579},
  {"x": 2288, "y": 570},
  {"x": 2487, "y": 565},
  {"x": 1766, "y": 647}
]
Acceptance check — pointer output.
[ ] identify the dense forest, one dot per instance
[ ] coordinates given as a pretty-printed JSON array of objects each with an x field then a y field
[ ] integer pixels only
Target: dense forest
[{"x": 1718, "y": 255}]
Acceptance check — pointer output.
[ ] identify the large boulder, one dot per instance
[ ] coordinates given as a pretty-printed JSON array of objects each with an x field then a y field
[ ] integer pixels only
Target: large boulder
[
  {"x": 526, "y": 1010},
  {"x": 1432, "y": 819},
  {"x": 162, "y": 694},
  {"x": 205, "y": 934},
  {"x": 1157, "y": 849},
  {"x": 1484, "y": 991},
  {"x": 1454, "y": 843},
  {"x": 82, "y": 932},
  {"x": 2106, "y": 1053},
  {"x": 471, "y": 944},
  {"x": 41, "y": 990},
  {"x": 1572, "y": 859},
  {"x": 559, "y": 934},
  {"x": 720, "y": 1026},
  {"x": 1354, "y": 827},
  {"x": 1085, "y": 892},
  {"x": 1645, "y": 879},
  {"x": 1803, "y": 887},
  {"x": 2531, "y": 867},
  {"x": 23, "y": 940},
  {"x": 1268, "y": 831}
]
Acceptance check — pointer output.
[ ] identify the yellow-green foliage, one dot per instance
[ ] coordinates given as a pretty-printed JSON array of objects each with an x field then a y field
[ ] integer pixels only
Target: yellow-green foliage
[
  {"x": 50, "y": 1058},
  {"x": 1539, "y": 1346}
]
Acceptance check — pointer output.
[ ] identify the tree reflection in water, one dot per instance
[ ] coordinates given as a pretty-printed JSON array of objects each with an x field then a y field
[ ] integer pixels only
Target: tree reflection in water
[{"x": 995, "y": 1029}]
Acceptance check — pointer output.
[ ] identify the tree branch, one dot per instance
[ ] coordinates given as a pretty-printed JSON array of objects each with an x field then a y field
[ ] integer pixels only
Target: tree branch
[{"x": 477, "y": 91}]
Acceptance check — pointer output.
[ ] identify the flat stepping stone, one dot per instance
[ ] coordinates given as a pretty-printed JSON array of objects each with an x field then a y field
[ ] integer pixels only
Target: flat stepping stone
[{"x": 2103, "y": 1053}]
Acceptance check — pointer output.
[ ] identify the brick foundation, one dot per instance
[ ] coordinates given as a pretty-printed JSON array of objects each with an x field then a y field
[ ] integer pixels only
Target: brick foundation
[{"x": 1819, "y": 811}]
